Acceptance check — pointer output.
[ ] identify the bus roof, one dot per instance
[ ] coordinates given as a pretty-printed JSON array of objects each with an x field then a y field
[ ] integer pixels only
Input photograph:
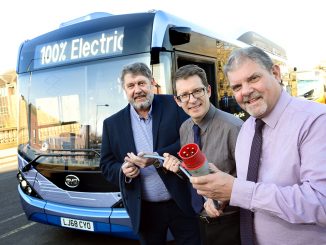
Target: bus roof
[
  {"x": 140, "y": 32},
  {"x": 254, "y": 39},
  {"x": 164, "y": 20}
]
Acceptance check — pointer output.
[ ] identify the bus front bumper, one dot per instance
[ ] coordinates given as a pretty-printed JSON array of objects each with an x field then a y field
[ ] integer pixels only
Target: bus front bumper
[{"x": 112, "y": 221}]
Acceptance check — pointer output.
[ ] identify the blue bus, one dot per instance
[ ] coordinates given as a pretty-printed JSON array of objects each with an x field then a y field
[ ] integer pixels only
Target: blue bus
[{"x": 68, "y": 83}]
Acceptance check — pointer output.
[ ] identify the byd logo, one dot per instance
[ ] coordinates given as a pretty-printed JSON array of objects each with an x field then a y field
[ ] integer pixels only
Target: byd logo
[{"x": 72, "y": 181}]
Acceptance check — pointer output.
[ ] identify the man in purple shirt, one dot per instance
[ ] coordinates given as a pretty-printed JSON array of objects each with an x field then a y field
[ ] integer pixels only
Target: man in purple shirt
[{"x": 289, "y": 198}]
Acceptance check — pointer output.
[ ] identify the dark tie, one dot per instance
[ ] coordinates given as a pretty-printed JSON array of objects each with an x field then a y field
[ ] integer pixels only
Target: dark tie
[
  {"x": 196, "y": 130},
  {"x": 197, "y": 201},
  {"x": 246, "y": 216}
]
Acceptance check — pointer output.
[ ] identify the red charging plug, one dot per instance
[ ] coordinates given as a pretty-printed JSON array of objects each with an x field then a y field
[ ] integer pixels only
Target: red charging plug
[{"x": 194, "y": 161}]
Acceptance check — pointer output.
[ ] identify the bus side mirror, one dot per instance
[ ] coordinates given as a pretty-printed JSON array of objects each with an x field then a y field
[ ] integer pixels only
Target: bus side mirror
[{"x": 179, "y": 35}]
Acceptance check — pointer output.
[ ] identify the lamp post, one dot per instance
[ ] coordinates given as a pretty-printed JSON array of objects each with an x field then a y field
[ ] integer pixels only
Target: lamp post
[{"x": 97, "y": 106}]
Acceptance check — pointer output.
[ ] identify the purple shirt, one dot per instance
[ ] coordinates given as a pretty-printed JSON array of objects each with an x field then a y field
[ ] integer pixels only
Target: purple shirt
[{"x": 289, "y": 198}]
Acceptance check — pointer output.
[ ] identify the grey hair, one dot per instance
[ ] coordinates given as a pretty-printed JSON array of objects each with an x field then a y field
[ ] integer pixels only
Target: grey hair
[
  {"x": 238, "y": 56},
  {"x": 137, "y": 68}
]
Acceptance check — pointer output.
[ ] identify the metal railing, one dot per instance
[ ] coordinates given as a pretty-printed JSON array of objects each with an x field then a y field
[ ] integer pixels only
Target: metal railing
[{"x": 8, "y": 137}]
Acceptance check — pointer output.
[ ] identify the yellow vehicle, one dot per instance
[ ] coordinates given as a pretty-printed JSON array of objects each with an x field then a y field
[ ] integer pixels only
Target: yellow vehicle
[{"x": 322, "y": 99}]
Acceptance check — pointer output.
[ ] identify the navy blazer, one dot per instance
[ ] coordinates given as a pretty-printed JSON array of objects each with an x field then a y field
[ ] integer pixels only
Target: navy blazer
[{"x": 117, "y": 141}]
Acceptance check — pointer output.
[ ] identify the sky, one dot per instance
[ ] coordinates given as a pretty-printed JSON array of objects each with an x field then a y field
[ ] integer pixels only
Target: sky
[{"x": 297, "y": 26}]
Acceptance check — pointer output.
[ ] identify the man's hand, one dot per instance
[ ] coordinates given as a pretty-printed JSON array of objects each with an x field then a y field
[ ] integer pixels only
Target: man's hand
[
  {"x": 217, "y": 186},
  {"x": 211, "y": 209},
  {"x": 130, "y": 170},
  {"x": 139, "y": 160},
  {"x": 171, "y": 163}
]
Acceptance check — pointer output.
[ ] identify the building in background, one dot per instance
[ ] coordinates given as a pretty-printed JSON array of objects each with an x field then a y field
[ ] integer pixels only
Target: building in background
[{"x": 8, "y": 109}]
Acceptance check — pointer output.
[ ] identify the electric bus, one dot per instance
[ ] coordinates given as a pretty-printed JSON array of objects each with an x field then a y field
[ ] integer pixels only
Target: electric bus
[{"x": 68, "y": 83}]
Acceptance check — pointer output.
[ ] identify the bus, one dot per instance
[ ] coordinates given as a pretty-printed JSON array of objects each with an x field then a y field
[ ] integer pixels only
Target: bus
[{"x": 68, "y": 83}]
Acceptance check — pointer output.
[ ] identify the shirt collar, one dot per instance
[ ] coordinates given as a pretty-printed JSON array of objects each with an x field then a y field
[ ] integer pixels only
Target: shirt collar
[
  {"x": 135, "y": 115},
  {"x": 203, "y": 124}
]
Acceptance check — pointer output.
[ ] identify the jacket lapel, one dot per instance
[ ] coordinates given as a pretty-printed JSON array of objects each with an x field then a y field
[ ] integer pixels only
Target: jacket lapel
[
  {"x": 126, "y": 133},
  {"x": 157, "y": 114}
]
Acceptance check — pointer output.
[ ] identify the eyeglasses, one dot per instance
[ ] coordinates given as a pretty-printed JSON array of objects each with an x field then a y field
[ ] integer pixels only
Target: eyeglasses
[{"x": 197, "y": 93}]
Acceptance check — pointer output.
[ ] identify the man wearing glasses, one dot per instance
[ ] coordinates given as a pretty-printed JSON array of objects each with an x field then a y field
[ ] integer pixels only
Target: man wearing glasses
[{"x": 218, "y": 135}]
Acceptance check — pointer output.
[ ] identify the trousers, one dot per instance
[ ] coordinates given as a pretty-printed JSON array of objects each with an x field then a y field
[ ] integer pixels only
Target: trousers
[
  {"x": 223, "y": 230},
  {"x": 159, "y": 217}
]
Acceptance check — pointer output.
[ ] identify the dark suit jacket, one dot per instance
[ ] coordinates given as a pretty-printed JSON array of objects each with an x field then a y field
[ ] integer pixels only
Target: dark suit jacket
[{"x": 117, "y": 141}]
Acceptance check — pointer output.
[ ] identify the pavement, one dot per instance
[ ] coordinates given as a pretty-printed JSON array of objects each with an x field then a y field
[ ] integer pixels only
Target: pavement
[{"x": 8, "y": 159}]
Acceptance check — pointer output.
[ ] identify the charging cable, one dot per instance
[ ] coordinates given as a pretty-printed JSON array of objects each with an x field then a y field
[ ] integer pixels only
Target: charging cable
[{"x": 160, "y": 158}]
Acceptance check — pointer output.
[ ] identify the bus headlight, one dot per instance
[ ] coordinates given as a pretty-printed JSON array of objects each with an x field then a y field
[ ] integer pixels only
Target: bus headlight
[
  {"x": 29, "y": 190},
  {"x": 23, "y": 184},
  {"x": 19, "y": 177},
  {"x": 26, "y": 187}
]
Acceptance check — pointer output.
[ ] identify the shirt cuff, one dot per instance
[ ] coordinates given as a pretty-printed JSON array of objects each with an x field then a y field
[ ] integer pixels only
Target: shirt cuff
[
  {"x": 158, "y": 163},
  {"x": 128, "y": 180},
  {"x": 242, "y": 193}
]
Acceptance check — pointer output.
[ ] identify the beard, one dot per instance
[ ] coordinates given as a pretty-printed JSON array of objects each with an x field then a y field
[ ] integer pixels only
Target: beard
[
  {"x": 144, "y": 104},
  {"x": 258, "y": 109}
]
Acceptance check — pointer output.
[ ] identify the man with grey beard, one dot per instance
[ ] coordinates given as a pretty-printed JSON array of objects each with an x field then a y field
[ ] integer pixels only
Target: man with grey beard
[{"x": 155, "y": 199}]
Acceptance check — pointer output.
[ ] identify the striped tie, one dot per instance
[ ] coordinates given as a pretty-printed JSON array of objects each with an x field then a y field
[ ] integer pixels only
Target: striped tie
[{"x": 246, "y": 216}]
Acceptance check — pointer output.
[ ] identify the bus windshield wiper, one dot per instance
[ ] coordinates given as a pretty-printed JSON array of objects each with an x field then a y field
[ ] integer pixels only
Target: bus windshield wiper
[
  {"x": 95, "y": 151},
  {"x": 34, "y": 162}
]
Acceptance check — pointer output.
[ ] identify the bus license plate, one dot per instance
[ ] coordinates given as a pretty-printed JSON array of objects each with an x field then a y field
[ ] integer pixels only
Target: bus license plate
[{"x": 77, "y": 224}]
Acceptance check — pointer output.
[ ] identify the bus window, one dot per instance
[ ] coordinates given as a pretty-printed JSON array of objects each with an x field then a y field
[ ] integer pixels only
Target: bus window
[
  {"x": 162, "y": 74},
  {"x": 68, "y": 105}
]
